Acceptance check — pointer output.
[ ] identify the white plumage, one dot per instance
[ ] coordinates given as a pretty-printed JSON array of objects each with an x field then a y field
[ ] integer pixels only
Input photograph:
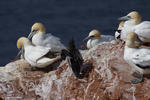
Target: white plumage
[
  {"x": 35, "y": 55},
  {"x": 126, "y": 29},
  {"x": 40, "y": 38},
  {"x": 106, "y": 38},
  {"x": 95, "y": 38},
  {"x": 118, "y": 31},
  {"x": 137, "y": 58},
  {"x": 92, "y": 42},
  {"x": 143, "y": 31},
  {"x": 48, "y": 40},
  {"x": 134, "y": 24}
]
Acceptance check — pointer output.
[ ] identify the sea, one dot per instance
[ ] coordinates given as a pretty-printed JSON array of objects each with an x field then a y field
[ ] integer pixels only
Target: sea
[{"x": 65, "y": 19}]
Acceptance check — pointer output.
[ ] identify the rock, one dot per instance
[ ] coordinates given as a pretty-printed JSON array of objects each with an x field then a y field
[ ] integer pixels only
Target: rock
[{"x": 109, "y": 79}]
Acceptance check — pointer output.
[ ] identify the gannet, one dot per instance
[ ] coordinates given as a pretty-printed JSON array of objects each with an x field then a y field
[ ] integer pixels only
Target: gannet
[
  {"x": 37, "y": 56},
  {"x": 133, "y": 24},
  {"x": 95, "y": 38},
  {"x": 137, "y": 58},
  {"x": 75, "y": 60},
  {"x": 118, "y": 31},
  {"x": 40, "y": 38}
]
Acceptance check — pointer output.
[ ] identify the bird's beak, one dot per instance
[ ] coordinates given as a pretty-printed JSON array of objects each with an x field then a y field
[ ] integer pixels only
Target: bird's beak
[
  {"x": 19, "y": 54},
  {"x": 22, "y": 53},
  {"x": 31, "y": 35},
  {"x": 87, "y": 38},
  {"x": 124, "y": 18}
]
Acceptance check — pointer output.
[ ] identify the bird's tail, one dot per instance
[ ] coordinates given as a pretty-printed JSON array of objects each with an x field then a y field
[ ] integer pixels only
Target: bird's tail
[
  {"x": 72, "y": 46},
  {"x": 68, "y": 52},
  {"x": 64, "y": 54}
]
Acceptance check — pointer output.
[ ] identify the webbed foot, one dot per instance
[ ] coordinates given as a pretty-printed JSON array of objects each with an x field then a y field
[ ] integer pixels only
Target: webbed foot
[{"x": 139, "y": 78}]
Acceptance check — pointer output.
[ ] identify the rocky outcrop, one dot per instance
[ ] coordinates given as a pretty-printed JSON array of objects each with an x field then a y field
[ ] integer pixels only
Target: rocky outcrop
[{"x": 109, "y": 79}]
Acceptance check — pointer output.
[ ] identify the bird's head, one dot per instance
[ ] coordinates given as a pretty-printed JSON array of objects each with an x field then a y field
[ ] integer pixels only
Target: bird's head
[
  {"x": 37, "y": 28},
  {"x": 21, "y": 41},
  {"x": 134, "y": 17},
  {"x": 94, "y": 34}
]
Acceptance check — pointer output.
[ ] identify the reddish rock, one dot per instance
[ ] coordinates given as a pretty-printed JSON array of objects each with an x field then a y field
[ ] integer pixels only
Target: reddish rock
[{"x": 109, "y": 79}]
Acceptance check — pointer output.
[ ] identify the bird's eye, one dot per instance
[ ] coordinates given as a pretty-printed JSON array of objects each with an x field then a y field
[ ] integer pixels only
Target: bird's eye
[
  {"x": 129, "y": 17},
  {"x": 92, "y": 36},
  {"x": 34, "y": 30}
]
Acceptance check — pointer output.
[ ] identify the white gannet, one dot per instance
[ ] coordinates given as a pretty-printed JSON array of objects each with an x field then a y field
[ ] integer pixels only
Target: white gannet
[
  {"x": 133, "y": 24},
  {"x": 40, "y": 38},
  {"x": 137, "y": 58},
  {"x": 118, "y": 31},
  {"x": 75, "y": 60},
  {"x": 37, "y": 56},
  {"x": 95, "y": 38}
]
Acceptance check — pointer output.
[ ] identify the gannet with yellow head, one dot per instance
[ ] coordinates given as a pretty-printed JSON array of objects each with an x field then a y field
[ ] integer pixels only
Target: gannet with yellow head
[
  {"x": 133, "y": 24},
  {"x": 35, "y": 55},
  {"x": 40, "y": 38},
  {"x": 95, "y": 38},
  {"x": 118, "y": 31},
  {"x": 137, "y": 58}
]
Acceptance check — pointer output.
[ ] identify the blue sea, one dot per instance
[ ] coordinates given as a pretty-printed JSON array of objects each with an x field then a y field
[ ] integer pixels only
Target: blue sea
[{"x": 63, "y": 18}]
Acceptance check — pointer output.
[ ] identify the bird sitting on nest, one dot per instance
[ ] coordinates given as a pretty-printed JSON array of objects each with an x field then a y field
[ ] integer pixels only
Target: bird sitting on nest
[{"x": 36, "y": 56}]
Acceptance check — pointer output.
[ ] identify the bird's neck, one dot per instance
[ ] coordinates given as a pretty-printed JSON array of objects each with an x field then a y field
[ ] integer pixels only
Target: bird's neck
[
  {"x": 27, "y": 43},
  {"x": 38, "y": 39},
  {"x": 130, "y": 44},
  {"x": 92, "y": 42}
]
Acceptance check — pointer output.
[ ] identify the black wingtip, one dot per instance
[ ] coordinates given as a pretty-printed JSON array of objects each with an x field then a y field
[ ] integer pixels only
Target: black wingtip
[
  {"x": 72, "y": 45},
  {"x": 64, "y": 54},
  {"x": 76, "y": 60},
  {"x": 70, "y": 51},
  {"x": 118, "y": 37}
]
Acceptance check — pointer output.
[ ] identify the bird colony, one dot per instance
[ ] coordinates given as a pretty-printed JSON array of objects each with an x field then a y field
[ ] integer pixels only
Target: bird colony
[{"x": 41, "y": 49}]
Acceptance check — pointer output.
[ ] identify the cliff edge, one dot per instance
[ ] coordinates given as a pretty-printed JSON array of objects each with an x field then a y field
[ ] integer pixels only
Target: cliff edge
[{"x": 109, "y": 79}]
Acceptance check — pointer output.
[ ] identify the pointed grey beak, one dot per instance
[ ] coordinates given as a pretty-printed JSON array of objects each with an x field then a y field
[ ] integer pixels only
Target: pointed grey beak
[
  {"x": 124, "y": 18},
  {"x": 31, "y": 35},
  {"x": 87, "y": 38},
  {"x": 20, "y": 54}
]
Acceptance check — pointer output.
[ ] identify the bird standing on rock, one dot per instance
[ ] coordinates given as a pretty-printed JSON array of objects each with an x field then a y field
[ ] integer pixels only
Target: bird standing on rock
[
  {"x": 36, "y": 56},
  {"x": 40, "y": 38},
  {"x": 137, "y": 58},
  {"x": 133, "y": 24},
  {"x": 95, "y": 38}
]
